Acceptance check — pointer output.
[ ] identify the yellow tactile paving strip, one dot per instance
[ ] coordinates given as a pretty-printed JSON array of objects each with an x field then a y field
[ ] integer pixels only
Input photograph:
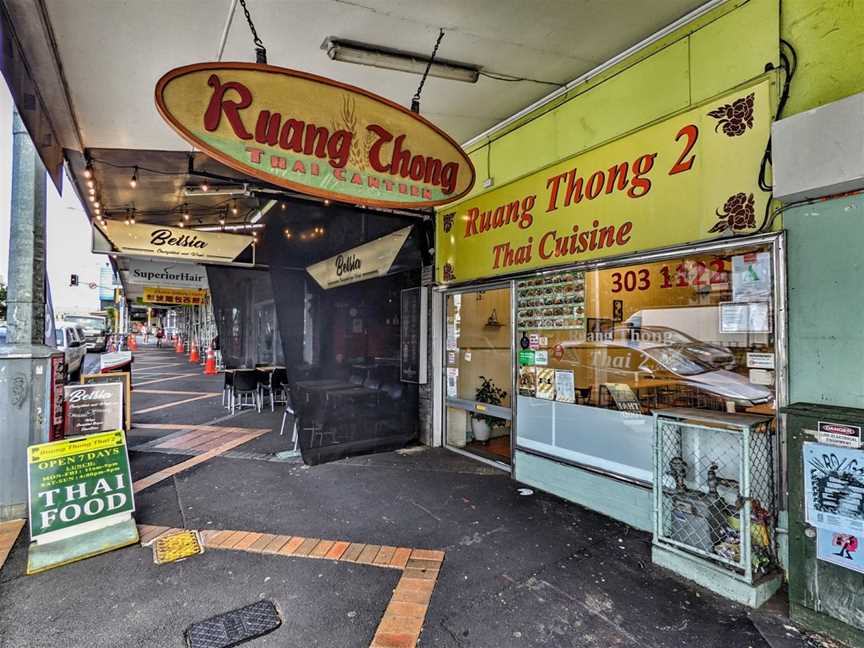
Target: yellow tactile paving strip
[
  {"x": 402, "y": 623},
  {"x": 214, "y": 447},
  {"x": 175, "y": 403},
  {"x": 8, "y": 534}
]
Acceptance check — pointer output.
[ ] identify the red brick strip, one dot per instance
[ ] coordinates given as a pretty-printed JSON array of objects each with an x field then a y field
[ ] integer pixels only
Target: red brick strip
[
  {"x": 8, "y": 535},
  {"x": 402, "y": 623}
]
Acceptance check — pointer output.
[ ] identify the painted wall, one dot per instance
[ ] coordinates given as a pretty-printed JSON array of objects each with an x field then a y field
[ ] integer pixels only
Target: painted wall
[
  {"x": 828, "y": 36},
  {"x": 706, "y": 58},
  {"x": 826, "y": 312}
]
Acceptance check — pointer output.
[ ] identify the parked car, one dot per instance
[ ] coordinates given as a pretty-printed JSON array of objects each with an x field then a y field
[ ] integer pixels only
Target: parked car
[
  {"x": 639, "y": 362},
  {"x": 70, "y": 339},
  {"x": 95, "y": 331},
  {"x": 717, "y": 356}
]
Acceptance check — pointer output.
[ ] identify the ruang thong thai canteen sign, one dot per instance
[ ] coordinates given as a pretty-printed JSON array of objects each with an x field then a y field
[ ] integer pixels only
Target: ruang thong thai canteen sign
[
  {"x": 688, "y": 178},
  {"x": 176, "y": 243},
  {"x": 313, "y": 135},
  {"x": 81, "y": 501}
]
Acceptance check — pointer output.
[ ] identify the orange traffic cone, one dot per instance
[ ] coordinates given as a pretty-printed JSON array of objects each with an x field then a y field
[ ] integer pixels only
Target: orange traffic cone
[
  {"x": 210, "y": 365},
  {"x": 194, "y": 356},
  {"x": 179, "y": 346}
]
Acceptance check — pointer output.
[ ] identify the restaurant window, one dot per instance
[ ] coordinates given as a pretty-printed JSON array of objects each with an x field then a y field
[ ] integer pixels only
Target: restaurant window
[
  {"x": 479, "y": 361},
  {"x": 601, "y": 350}
]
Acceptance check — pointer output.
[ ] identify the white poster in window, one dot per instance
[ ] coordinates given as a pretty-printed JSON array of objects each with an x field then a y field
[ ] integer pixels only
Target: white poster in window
[
  {"x": 834, "y": 488},
  {"x": 452, "y": 382},
  {"x": 546, "y": 384},
  {"x": 751, "y": 277},
  {"x": 541, "y": 358},
  {"x": 564, "y": 387},
  {"x": 762, "y": 376},
  {"x": 760, "y": 360},
  {"x": 451, "y": 336},
  {"x": 744, "y": 317}
]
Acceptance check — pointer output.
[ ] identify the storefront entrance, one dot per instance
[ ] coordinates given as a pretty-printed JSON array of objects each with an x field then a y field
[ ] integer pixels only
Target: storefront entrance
[{"x": 479, "y": 376}]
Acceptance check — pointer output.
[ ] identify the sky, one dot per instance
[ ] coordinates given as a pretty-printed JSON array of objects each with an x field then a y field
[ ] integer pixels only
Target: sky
[{"x": 68, "y": 232}]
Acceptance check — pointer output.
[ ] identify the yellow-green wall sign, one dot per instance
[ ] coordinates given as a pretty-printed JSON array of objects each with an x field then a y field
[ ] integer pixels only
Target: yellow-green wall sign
[{"x": 691, "y": 177}]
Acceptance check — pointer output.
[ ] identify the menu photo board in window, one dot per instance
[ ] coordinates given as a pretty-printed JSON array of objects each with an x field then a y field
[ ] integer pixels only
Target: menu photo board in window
[{"x": 551, "y": 301}]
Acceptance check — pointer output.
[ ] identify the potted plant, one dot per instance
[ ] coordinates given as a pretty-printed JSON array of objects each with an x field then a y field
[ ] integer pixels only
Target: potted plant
[{"x": 481, "y": 424}]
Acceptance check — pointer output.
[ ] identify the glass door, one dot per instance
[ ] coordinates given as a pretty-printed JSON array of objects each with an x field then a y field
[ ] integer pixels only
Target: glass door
[{"x": 478, "y": 361}]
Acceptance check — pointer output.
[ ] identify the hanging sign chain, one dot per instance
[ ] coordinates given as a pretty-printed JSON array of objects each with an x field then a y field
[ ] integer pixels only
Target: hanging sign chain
[
  {"x": 415, "y": 100},
  {"x": 260, "y": 50}
]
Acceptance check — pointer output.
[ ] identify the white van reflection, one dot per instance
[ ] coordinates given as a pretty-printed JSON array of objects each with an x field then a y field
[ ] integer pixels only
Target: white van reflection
[
  {"x": 641, "y": 363},
  {"x": 715, "y": 355}
]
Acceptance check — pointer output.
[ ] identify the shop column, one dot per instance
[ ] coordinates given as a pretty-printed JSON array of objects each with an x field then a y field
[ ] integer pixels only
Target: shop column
[{"x": 25, "y": 366}]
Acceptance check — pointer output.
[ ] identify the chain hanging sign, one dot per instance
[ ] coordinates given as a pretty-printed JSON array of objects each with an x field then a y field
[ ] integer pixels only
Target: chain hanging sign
[
  {"x": 314, "y": 135},
  {"x": 161, "y": 242}
]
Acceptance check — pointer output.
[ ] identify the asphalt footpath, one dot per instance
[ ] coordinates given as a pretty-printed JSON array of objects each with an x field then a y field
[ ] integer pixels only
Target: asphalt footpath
[{"x": 520, "y": 568}]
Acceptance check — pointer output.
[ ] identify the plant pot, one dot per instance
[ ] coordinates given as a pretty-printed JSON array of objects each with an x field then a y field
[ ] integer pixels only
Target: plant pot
[{"x": 480, "y": 429}]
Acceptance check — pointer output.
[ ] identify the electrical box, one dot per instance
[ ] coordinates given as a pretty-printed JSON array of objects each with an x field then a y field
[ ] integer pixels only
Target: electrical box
[
  {"x": 819, "y": 152},
  {"x": 826, "y": 476}
]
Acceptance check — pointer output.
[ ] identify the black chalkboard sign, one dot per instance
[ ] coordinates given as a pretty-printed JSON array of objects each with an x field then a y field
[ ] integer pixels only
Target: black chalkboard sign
[
  {"x": 92, "y": 408},
  {"x": 412, "y": 339}
]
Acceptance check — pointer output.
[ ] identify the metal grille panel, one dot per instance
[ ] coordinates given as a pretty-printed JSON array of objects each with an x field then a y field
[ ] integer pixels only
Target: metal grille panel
[{"x": 715, "y": 493}]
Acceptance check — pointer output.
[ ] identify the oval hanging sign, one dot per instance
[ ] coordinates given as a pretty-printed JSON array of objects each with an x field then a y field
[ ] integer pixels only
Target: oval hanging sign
[{"x": 313, "y": 135}]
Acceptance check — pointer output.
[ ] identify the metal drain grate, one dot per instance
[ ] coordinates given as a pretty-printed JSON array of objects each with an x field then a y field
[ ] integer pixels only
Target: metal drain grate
[
  {"x": 177, "y": 546},
  {"x": 234, "y": 627}
]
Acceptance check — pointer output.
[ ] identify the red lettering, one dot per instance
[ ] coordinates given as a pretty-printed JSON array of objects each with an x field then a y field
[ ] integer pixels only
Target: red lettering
[
  {"x": 384, "y": 136},
  {"x": 541, "y": 249},
  {"x": 471, "y": 222},
  {"x": 218, "y": 104},
  {"x": 254, "y": 154}
]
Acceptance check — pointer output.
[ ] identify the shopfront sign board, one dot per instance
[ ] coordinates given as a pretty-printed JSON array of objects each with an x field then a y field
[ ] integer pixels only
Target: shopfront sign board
[
  {"x": 93, "y": 407},
  {"x": 171, "y": 243},
  {"x": 166, "y": 274},
  {"x": 174, "y": 296},
  {"x": 691, "y": 177},
  {"x": 79, "y": 487},
  {"x": 124, "y": 378},
  {"x": 367, "y": 261},
  {"x": 313, "y": 135},
  {"x": 114, "y": 360}
]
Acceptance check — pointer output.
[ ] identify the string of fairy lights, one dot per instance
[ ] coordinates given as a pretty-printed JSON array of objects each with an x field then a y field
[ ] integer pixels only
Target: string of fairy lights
[{"x": 188, "y": 214}]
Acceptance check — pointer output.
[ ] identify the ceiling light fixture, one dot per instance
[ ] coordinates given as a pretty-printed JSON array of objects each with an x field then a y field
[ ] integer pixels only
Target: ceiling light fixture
[
  {"x": 262, "y": 212},
  {"x": 219, "y": 190},
  {"x": 90, "y": 184},
  {"x": 181, "y": 224},
  {"x": 349, "y": 51},
  {"x": 88, "y": 170},
  {"x": 133, "y": 182}
]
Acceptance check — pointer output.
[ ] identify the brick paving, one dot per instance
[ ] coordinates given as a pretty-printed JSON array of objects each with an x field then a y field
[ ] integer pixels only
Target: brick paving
[
  {"x": 403, "y": 619},
  {"x": 8, "y": 534}
]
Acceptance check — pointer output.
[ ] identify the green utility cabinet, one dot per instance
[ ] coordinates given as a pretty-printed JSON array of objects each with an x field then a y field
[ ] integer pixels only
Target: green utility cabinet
[{"x": 824, "y": 596}]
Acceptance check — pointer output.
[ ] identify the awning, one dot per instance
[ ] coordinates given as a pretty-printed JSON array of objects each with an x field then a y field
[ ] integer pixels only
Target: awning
[{"x": 372, "y": 259}]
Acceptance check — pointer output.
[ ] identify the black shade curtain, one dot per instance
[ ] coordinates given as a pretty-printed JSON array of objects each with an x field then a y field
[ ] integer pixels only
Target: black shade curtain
[
  {"x": 341, "y": 346},
  {"x": 245, "y": 312}
]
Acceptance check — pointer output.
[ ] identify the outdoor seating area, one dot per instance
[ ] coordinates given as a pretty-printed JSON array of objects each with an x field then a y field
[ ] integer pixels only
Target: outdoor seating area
[{"x": 329, "y": 407}]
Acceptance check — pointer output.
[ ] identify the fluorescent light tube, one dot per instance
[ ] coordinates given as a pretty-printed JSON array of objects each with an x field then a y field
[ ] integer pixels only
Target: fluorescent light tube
[
  {"x": 261, "y": 212},
  {"x": 391, "y": 59}
]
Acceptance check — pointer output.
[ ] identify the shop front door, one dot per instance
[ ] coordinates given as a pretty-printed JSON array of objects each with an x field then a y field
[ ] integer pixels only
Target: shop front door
[{"x": 478, "y": 361}]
